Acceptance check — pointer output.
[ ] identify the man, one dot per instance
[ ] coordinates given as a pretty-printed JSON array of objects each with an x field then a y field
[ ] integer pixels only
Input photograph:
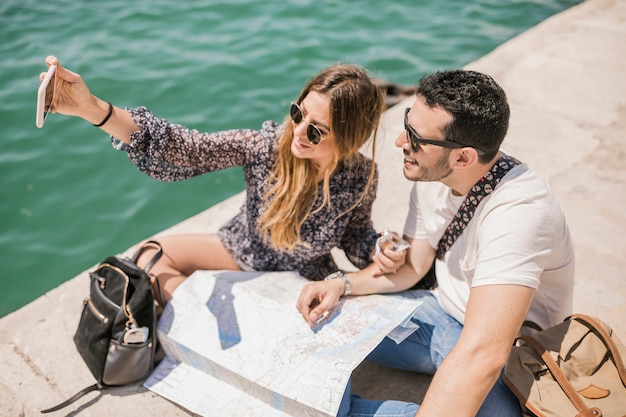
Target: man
[{"x": 507, "y": 258}]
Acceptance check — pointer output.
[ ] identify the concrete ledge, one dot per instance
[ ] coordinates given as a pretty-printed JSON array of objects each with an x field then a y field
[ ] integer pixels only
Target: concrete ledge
[{"x": 565, "y": 80}]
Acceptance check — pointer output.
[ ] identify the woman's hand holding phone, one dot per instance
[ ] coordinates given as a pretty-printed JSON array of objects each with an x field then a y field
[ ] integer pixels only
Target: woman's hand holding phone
[{"x": 70, "y": 95}]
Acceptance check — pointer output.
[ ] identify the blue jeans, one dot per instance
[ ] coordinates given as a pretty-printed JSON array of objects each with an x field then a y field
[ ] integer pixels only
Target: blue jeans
[{"x": 423, "y": 351}]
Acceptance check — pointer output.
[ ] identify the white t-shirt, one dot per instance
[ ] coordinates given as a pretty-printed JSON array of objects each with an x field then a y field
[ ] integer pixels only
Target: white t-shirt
[{"x": 518, "y": 235}]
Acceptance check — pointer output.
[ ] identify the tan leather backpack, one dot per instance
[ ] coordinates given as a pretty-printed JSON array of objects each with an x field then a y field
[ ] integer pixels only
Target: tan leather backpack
[{"x": 575, "y": 368}]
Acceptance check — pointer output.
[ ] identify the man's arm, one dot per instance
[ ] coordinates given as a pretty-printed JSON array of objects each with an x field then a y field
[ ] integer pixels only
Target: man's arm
[
  {"x": 419, "y": 259},
  {"x": 493, "y": 318},
  {"x": 318, "y": 297}
]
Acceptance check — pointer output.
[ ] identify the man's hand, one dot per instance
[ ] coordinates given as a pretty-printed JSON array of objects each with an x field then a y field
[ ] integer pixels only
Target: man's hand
[
  {"x": 317, "y": 298},
  {"x": 388, "y": 261}
]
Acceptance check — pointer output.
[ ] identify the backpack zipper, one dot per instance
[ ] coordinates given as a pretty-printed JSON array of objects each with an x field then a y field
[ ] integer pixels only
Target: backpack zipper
[{"x": 95, "y": 311}]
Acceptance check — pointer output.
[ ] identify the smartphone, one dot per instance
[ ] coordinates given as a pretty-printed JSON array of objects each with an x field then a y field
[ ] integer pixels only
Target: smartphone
[{"x": 45, "y": 94}]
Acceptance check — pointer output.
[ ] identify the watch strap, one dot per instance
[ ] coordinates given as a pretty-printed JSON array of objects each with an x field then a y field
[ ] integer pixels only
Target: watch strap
[{"x": 347, "y": 288}]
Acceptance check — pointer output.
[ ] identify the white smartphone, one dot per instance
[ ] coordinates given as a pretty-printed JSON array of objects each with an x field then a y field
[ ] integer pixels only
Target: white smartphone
[{"x": 45, "y": 94}]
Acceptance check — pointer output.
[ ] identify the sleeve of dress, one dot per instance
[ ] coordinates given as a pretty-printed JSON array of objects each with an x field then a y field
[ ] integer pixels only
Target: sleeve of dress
[
  {"x": 172, "y": 152},
  {"x": 359, "y": 239}
]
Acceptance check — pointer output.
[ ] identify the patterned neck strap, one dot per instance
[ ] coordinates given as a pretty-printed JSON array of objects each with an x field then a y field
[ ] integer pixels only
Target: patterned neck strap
[{"x": 480, "y": 190}]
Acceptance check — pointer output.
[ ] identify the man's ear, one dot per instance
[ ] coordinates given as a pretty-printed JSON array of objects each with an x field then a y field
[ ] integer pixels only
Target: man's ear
[{"x": 464, "y": 157}]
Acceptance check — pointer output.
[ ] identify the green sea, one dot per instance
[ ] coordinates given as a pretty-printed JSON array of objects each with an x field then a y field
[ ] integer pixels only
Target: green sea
[{"x": 67, "y": 199}]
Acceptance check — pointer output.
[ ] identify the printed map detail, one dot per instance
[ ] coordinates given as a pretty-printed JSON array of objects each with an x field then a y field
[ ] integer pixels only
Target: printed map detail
[{"x": 236, "y": 345}]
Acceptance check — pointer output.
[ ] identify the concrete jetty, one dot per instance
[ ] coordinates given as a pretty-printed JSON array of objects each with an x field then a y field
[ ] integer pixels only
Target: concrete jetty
[{"x": 566, "y": 82}]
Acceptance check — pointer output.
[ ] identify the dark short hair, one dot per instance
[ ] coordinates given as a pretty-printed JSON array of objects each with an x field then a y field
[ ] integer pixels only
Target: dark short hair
[{"x": 478, "y": 106}]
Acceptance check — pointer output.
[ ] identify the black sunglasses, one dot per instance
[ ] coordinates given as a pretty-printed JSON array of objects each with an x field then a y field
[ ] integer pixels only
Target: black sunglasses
[
  {"x": 414, "y": 139},
  {"x": 313, "y": 133}
]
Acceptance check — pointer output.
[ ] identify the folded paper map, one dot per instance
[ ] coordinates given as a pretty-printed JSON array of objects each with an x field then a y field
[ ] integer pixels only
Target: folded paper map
[{"x": 235, "y": 344}]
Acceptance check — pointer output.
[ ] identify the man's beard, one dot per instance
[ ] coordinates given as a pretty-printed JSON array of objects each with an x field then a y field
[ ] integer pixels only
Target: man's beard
[{"x": 441, "y": 169}]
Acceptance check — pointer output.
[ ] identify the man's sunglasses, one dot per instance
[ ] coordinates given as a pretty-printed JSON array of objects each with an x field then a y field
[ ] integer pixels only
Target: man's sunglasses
[
  {"x": 414, "y": 139},
  {"x": 313, "y": 133}
]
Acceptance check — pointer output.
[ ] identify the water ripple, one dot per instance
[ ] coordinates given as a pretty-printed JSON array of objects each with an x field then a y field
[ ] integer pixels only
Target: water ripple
[{"x": 68, "y": 200}]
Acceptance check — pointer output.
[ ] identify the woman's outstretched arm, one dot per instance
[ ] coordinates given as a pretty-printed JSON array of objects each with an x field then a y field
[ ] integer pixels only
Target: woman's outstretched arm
[{"x": 73, "y": 98}]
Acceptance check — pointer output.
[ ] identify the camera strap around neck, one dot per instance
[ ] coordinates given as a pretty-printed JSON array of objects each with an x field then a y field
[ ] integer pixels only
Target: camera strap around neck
[{"x": 479, "y": 191}]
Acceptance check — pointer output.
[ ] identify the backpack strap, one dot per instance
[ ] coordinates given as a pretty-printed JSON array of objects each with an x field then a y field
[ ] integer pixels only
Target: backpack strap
[
  {"x": 595, "y": 325},
  {"x": 561, "y": 379},
  {"x": 81, "y": 393},
  {"x": 154, "y": 259}
]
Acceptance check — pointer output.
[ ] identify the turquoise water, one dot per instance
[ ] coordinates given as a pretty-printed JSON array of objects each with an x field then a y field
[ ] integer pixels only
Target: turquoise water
[{"x": 67, "y": 199}]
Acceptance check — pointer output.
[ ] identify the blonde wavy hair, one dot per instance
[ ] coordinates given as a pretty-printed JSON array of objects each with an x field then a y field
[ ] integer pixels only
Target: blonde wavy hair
[{"x": 356, "y": 105}]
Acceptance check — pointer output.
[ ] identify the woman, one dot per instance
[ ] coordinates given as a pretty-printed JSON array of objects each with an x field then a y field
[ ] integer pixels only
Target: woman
[{"x": 308, "y": 189}]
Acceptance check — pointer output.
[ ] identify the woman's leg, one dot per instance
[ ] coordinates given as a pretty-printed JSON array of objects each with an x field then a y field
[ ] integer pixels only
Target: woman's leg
[{"x": 182, "y": 255}]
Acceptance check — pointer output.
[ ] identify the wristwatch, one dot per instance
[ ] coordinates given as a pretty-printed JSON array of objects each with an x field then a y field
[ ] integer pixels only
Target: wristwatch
[{"x": 347, "y": 288}]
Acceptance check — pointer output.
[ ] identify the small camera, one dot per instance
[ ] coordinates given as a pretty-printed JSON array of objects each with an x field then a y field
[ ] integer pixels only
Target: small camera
[{"x": 389, "y": 240}]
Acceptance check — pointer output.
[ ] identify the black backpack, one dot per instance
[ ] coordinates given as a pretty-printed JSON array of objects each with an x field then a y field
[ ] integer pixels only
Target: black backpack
[{"x": 116, "y": 334}]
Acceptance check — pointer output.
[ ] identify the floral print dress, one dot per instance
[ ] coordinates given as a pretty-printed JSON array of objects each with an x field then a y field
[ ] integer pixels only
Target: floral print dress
[{"x": 172, "y": 152}]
